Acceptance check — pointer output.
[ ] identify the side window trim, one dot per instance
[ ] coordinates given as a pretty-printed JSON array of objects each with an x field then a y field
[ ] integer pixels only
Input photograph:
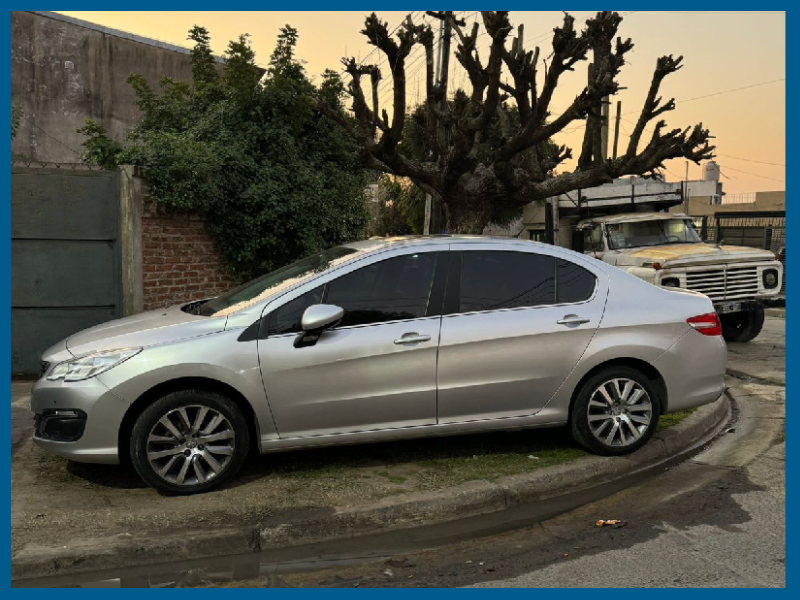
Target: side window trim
[
  {"x": 452, "y": 301},
  {"x": 439, "y": 287}
]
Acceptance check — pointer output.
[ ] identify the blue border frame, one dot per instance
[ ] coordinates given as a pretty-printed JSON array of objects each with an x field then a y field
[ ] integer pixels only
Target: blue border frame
[{"x": 736, "y": 37}]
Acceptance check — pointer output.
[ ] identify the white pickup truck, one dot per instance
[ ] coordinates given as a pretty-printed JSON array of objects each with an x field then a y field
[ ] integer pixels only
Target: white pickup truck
[{"x": 665, "y": 249}]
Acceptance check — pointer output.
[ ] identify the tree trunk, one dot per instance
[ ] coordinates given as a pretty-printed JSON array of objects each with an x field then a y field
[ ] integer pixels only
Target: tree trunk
[{"x": 461, "y": 218}]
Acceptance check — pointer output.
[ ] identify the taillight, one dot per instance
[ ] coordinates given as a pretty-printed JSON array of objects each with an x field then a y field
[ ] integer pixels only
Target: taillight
[{"x": 707, "y": 324}]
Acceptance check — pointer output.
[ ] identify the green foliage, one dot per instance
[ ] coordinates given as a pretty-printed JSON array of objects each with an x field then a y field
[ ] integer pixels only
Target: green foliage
[
  {"x": 400, "y": 208},
  {"x": 16, "y": 116},
  {"x": 99, "y": 148},
  {"x": 275, "y": 180}
]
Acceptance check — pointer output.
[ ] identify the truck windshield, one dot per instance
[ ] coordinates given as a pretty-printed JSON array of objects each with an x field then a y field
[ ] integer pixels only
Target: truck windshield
[
  {"x": 637, "y": 234},
  {"x": 256, "y": 290}
]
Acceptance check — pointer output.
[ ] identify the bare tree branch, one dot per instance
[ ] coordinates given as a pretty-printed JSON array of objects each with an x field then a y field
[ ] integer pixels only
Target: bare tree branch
[{"x": 490, "y": 148}]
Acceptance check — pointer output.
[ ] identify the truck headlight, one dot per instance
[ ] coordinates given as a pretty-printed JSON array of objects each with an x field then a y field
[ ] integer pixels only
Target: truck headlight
[
  {"x": 770, "y": 278},
  {"x": 90, "y": 365},
  {"x": 671, "y": 282}
]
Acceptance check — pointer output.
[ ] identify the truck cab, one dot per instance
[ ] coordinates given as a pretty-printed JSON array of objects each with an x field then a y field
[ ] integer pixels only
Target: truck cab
[{"x": 665, "y": 249}]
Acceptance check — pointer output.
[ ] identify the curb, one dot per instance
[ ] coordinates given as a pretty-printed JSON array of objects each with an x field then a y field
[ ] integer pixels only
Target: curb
[{"x": 396, "y": 513}]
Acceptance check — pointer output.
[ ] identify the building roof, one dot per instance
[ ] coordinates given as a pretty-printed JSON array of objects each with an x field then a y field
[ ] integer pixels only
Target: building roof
[{"x": 115, "y": 32}]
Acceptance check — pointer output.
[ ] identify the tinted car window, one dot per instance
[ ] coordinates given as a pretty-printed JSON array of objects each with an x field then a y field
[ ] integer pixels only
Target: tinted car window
[
  {"x": 391, "y": 290},
  {"x": 286, "y": 319},
  {"x": 574, "y": 283},
  {"x": 494, "y": 280}
]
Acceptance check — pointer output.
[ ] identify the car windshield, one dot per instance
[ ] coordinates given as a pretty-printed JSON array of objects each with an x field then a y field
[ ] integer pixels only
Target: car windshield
[
  {"x": 258, "y": 289},
  {"x": 651, "y": 233}
]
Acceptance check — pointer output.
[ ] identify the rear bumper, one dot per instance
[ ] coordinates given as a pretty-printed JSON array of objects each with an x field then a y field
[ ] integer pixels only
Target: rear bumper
[
  {"x": 693, "y": 369},
  {"x": 99, "y": 410}
]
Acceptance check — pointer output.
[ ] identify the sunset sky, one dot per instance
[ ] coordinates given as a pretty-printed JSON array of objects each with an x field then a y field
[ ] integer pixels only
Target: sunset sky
[{"x": 723, "y": 51}]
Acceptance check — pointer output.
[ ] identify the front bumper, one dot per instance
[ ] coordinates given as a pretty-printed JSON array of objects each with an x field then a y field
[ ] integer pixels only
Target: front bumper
[
  {"x": 724, "y": 282},
  {"x": 99, "y": 409}
]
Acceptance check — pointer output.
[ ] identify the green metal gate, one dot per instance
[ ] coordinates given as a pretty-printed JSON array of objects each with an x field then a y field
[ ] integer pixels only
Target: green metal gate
[{"x": 65, "y": 257}]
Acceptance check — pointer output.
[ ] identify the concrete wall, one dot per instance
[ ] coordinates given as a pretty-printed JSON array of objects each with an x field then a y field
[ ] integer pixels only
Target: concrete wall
[
  {"x": 765, "y": 201},
  {"x": 65, "y": 71}
]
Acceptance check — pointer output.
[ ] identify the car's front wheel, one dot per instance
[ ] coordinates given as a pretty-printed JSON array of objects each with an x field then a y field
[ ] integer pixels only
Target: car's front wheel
[
  {"x": 616, "y": 410},
  {"x": 189, "y": 441}
]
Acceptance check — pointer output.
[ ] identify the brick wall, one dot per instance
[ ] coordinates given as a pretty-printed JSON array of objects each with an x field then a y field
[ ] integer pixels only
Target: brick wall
[{"x": 179, "y": 263}]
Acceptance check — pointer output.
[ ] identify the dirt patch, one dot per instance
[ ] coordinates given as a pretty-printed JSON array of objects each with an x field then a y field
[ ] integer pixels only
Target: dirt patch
[{"x": 57, "y": 500}]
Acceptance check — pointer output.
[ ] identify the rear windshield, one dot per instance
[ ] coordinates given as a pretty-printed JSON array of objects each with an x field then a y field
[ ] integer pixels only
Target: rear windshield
[{"x": 254, "y": 291}]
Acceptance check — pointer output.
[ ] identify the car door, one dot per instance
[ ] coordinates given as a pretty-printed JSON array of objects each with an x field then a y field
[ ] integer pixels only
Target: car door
[
  {"x": 376, "y": 369},
  {"x": 515, "y": 324}
]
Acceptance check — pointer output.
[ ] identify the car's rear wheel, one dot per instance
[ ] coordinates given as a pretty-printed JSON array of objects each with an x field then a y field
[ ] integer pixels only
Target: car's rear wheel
[
  {"x": 189, "y": 441},
  {"x": 615, "y": 412},
  {"x": 742, "y": 326}
]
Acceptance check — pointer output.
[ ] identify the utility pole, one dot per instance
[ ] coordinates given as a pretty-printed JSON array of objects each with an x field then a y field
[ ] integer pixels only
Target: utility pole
[
  {"x": 428, "y": 198},
  {"x": 433, "y": 207},
  {"x": 686, "y": 190},
  {"x": 604, "y": 127},
  {"x": 616, "y": 127}
]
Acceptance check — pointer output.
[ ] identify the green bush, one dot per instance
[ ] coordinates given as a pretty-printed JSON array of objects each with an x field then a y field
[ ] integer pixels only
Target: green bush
[{"x": 274, "y": 178}]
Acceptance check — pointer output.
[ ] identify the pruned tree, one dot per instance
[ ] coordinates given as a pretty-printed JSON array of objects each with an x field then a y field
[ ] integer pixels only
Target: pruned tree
[{"x": 488, "y": 150}]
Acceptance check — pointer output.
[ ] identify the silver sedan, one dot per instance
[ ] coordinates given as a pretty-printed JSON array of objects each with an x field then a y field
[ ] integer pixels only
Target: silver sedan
[{"x": 381, "y": 340}]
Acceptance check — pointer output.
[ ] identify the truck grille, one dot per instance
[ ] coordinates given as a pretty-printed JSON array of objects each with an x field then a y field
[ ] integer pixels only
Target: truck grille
[{"x": 735, "y": 283}]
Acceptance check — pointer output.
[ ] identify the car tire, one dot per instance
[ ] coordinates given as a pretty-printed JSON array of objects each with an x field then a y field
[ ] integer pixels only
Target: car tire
[
  {"x": 615, "y": 423},
  {"x": 742, "y": 326},
  {"x": 189, "y": 442}
]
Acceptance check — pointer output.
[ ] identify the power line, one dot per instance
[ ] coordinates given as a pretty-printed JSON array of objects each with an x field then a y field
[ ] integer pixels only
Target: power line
[
  {"x": 739, "y": 89},
  {"x": 754, "y": 174},
  {"x": 37, "y": 126},
  {"x": 759, "y": 162}
]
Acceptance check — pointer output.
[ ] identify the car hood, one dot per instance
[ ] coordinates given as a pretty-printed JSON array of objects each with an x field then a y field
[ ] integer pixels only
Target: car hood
[
  {"x": 675, "y": 255},
  {"x": 142, "y": 330}
]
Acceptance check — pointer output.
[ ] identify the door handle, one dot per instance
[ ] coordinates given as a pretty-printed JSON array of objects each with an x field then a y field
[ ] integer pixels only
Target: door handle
[
  {"x": 572, "y": 320},
  {"x": 412, "y": 338}
]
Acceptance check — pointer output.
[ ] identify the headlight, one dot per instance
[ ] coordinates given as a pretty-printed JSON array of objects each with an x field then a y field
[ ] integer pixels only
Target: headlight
[
  {"x": 770, "y": 279},
  {"x": 671, "y": 282},
  {"x": 90, "y": 365}
]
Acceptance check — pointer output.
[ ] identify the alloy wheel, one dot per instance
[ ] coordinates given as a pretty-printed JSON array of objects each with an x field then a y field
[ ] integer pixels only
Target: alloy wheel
[
  {"x": 190, "y": 445},
  {"x": 620, "y": 412}
]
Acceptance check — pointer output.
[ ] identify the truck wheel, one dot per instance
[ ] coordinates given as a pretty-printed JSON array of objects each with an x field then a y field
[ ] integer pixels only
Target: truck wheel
[{"x": 742, "y": 326}]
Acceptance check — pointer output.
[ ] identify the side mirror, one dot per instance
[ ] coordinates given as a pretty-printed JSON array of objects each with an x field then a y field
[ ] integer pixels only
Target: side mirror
[
  {"x": 578, "y": 240},
  {"x": 316, "y": 319}
]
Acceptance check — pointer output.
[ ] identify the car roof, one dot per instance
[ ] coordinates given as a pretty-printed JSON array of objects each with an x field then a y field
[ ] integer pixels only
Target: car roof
[{"x": 381, "y": 243}]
